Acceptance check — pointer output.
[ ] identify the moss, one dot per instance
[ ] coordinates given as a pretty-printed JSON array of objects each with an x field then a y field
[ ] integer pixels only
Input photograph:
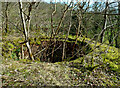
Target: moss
[
  {"x": 39, "y": 74},
  {"x": 78, "y": 60},
  {"x": 105, "y": 52},
  {"x": 25, "y": 61},
  {"x": 112, "y": 65},
  {"x": 103, "y": 56},
  {"x": 38, "y": 42}
]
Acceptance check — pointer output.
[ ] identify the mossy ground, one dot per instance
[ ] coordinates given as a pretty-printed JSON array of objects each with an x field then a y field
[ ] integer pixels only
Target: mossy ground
[
  {"x": 29, "y": 73},
  {"x": 100, "y": 67}
]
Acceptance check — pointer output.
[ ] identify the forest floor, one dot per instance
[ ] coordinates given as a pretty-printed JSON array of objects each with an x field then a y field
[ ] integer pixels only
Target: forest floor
[
  {"x": 28, "y": 73},
  {"x": 67, "y": 73}
]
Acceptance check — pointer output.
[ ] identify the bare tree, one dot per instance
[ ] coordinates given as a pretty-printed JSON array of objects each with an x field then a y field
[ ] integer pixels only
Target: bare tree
[
  {"x": 104, "y": 23},
  {"x": 53, "y": 13},
  {"x": 6, "y": 17},
  {"x": 64, "y": 43},
  {"x": 58, "y": 27},
  {"x": 25, "y": 29},
  {"x": 116, "y": 39}
]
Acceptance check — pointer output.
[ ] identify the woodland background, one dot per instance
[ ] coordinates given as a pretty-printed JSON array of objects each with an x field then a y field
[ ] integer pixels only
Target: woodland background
[{"x": 60, "y": 44}]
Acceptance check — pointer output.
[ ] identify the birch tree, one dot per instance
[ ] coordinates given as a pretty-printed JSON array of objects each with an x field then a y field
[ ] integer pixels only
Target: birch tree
[
  {"x": 25, "y": 31},
  {"x": 104, "y": 23}
]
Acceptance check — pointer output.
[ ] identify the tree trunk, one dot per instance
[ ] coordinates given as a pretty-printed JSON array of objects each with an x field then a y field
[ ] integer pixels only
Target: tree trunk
[
  {"x": 104, "y": 24},
  {"x": 117, "y": 38},
  {"x": 25, "y": 31},
  {"x": 6, "y": 18},
  {"x": 52, "y": 28},
  {"x": 68, "y": 33},
  {"x": 29, "y": 17}
]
